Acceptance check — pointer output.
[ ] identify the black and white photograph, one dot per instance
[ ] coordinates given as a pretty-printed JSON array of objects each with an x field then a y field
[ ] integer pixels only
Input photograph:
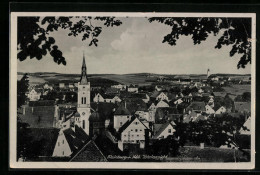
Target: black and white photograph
[{"x": 132, "y": 90}]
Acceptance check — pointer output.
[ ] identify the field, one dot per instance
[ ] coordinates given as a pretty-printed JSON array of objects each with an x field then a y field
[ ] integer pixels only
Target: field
[
  {"x": 127, "y": 79},
  {"x": 237, "y": 89}
]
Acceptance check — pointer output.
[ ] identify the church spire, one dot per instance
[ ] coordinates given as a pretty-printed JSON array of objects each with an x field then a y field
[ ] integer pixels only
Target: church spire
[{"x": 83, "y": 79}]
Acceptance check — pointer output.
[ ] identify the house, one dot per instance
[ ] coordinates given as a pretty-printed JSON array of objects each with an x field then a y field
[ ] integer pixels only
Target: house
[
  {"x": 40, "y": 114},
  {"x": 96, "y": 123},
  {"x": 98, "y": 98},
  {"x": 221, "y": 110},
  {"x": 179, "y": 101},
  {"x": 132, "y": 132},
  {"x": 165, "y": 130},
  {"x": 159, "y": 96},
  {"x": 158, "y": 88},
  {"x": 106, "y": 98},
  {"x": 142, "y": 96},
  {"x": 119, "y": 86},
  {"x": 209, "y": 109},
  {"x": 196, "y": 106},
  {"x": 111, "y": 91},
  {"x": 121, "y": 116},
  {"x": 61, "y": 85},
  {"x": 219, "y": 94},
  {"x": 161, "y": 104},
  {"x": 34, "y": 94},
  {"x": 70, "y": 141},
  {"x": 247, "y": 126},
  {"x": 132, "y": 88}
]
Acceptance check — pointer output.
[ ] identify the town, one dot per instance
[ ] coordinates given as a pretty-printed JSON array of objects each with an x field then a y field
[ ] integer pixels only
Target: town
[{"x": 104, "y": 120}]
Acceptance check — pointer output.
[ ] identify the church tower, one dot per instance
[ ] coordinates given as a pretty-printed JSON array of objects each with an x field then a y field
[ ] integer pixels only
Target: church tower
[{"x": 84, "y": 98}]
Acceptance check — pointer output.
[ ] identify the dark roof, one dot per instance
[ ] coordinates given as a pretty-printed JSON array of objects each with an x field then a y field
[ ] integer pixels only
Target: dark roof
[
  {"x": 121, "y": 110},
  {"x": 97, "y": 117},
  {"x": 220, "y": 94},
  {"x": 128, "y": 123},
  {"x": 75, "y": 139},
  {"x": 155, "y": 94},
  {"x": 42, "y": 103},
  {"x": 162, "y": 128},
  {"x": 133, "y": 104},
  {"x": 138, "y": 95},
  {"x": 197, "y": 106},
  {"x": 132, "y": 86},
  {"x": 45, "y": 138},
  {"x": 89, "y": 153},
  {"x": 107, "y": 109},
  {"x": 39, "y": 116}
]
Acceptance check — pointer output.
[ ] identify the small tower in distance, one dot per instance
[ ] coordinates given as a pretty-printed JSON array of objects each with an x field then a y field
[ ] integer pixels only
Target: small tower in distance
[{"x": 208, "y": 73}]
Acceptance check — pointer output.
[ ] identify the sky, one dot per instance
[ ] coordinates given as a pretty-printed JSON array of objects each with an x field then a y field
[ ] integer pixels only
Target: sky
[{"x": 136, "y": 47}]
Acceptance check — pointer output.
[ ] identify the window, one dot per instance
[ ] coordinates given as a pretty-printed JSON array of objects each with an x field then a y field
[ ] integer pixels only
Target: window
[
  {"x": 169, "y": 130},
  {"x": 63, "y": 153},
  {"x": 136, "y": 130},
  {"x": 137, "y": 135},
  {"x": 62, "y": 141},
  {"x": 82, "y": 100},
  {"x": 83, "y": 124},
  {"x": 121, "y": 123},
  {"x": 58, "y": 143},
  {"x": 136, "y": 123},
  {"x": 140, "y": 130}
]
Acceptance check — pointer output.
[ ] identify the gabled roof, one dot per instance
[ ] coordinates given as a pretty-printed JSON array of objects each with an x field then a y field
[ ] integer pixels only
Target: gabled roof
[
  {"x": 121, "y": 110},
  {"x": 220, "y": 94},
  {"x": 76, "y": 139},
  {"x": 128, "y": 123},
  {"x": 162, "y": 128},
  {"x": 132, "y": 86},
  {"x": 97, "y": 117},
  {"x": 247, "y": 124},
  {"x": 197, "y": 106},
  {"x": 155, "y": 94},
  {"x": 89, "y": 153}
]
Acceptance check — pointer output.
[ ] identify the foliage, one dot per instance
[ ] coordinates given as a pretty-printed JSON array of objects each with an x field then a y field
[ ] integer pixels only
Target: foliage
[
  {"x": 234, "y": 31},
  {"x": 34, "y": 40},
  {"x": 245, "y": 97},
  {"x": 23, "y": 139},
  {"x": 216, "y": 131},
  {"x": 22, "y": 88},
  {"x": 169, "y": 145}
]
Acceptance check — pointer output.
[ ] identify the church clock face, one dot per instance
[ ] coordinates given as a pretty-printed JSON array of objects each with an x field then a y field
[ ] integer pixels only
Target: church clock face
[{"x": 83, "y": 113}]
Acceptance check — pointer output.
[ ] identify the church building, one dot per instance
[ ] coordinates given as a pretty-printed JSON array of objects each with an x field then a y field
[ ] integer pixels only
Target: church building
[{"x": 83, "y": 107}]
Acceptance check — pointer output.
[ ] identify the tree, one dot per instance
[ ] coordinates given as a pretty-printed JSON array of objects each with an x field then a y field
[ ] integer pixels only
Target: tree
[
  {"x": 234, "y": 31},
  {"x": 34, "y": 40},
  {"x": 22, "y": 88},
  {"x": 246, "y": 96}
]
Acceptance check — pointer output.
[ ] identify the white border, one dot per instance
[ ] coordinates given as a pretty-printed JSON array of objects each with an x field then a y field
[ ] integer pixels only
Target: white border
[{"x": 120, "y": 165}]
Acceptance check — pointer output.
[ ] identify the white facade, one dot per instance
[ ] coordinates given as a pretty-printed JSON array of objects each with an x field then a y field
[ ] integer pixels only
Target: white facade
[
  {"x": 62, "y": 148},
  {"x": 162, "y": 104},
  {"x": 209, "y": 110},
  {"x": 98, "y": 98},
  {"x": 179, "y": 101},
  {"x": 132, "y": 89},
  {"x": 119, "y": 86},
  {"x": 134, "y": 133},
  {"x": 221, "y": 110},
  {"x": 34, "y": 96},
  {"x": 162, "y": 96}
]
